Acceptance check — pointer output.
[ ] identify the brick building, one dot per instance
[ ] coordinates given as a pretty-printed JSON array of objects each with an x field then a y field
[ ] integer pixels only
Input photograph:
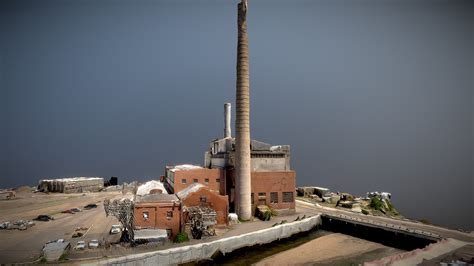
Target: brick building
[
  {"x": 180, "y": 177},
  {"x": 158, "y": 211},
  {"x": 200, "y": 195}
]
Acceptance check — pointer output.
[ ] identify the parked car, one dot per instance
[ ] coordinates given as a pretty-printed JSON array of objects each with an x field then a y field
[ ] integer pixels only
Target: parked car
[
  {"x": 80, "y": 245},
  {"x": 68, "y": 211},
  {"x": 75, "y": 210},
  {"x": 90, "y": 206},
  {"x": 116, "y": 228},
  {"x": 44, "y": 218},
  {"x": 94, "y": 243}
]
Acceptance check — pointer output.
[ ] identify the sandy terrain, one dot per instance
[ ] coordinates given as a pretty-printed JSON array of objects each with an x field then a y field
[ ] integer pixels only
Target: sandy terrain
[
  {"x": 329, "y": 247},
  {"x": 24, "y": 246}
]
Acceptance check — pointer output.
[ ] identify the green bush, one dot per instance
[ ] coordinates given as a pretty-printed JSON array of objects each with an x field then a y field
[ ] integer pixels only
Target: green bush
[
  {"x": 365, "y": 212},
  {"x": 376, "y": 203},
  {"x": 63, "y": 257},
  {"x": 181, "y": 237},
  {"x": 267, "y": 215}
]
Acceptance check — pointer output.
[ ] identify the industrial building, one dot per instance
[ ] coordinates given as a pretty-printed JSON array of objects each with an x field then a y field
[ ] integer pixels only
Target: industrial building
[
  {"x": 273, "y": 182},
  {"x": 72, "y": 185}
]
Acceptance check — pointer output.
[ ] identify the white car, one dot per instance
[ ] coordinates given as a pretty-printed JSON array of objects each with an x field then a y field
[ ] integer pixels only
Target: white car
[
  {"x": 116, "y": 228},
  {"x": 94, "y": 243},
  {"x": 80, "y": 245}
]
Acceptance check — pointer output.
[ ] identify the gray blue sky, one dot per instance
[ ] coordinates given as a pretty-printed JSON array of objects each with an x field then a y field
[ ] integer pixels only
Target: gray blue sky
[{"x": 370, "y": 94}]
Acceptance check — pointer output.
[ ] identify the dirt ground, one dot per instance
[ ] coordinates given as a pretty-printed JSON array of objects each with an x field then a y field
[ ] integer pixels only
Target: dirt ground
[
  {"x": 332, "y": 247},
  {"x": 26, "y": 246}
]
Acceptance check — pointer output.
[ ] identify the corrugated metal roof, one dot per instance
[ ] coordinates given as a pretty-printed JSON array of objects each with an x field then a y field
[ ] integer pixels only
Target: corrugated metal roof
[
  {"x": 156, "y": 198},
  {"x": 190, "y": 189}
]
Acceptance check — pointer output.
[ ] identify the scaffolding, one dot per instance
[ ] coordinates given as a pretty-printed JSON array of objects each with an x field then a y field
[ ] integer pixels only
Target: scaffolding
[
  {"x": 122, "y": 209},
  {"x": 201, "y": 220}
]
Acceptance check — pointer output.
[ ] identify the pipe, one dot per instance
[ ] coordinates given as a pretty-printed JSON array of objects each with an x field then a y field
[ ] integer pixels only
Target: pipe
[{"x": 227, "y": 119}]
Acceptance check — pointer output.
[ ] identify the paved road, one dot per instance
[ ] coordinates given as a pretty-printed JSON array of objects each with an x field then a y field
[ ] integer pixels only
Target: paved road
[{"x": 443, "y": 232}]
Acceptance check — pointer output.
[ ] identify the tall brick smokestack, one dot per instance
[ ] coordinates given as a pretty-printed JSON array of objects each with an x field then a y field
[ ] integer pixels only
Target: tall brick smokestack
[
  {"x": 242, "y": 121},
  {"x": 227, "y": 115}
]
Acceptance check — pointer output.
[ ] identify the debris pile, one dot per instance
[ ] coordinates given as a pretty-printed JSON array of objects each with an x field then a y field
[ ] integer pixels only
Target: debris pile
[
  {"x": 17, "y": 225},
  {"x": 376, "y": 203},
  {"x": 201, "y": 220},
  {"x": 7, "y": 194}
]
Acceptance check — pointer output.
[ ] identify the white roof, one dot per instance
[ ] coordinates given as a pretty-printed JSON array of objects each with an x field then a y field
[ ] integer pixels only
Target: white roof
[
  {"x": 149, "y": 234},
  {"x": 185, "y": 167},
  {"x": 74, "y": 179},
  {"x": 190, "y": 189},
  {"x": 148, "y": 186}
]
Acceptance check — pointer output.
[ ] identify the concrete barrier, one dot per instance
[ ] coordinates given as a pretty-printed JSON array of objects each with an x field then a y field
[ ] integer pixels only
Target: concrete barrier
[{"x": 205, "y": 251}]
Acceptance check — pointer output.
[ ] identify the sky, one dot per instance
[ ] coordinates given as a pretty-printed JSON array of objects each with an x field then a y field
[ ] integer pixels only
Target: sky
[{"x": 370, "y": 94}]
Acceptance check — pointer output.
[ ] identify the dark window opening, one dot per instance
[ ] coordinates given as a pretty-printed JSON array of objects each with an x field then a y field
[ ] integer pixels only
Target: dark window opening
[
  {"x": 273, "y": 197},
  {"x": 195, "y": 180},
  {"x": 288, "y": 197},
  {"x": 183, "y": 181}
]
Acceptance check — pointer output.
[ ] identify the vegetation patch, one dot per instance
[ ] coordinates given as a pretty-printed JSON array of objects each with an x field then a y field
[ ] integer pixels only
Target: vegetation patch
[{"x": 181, "y": 237}]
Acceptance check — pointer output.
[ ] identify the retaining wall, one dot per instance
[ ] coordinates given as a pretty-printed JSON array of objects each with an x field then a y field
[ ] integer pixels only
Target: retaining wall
[{"x": 205, "y": 251}]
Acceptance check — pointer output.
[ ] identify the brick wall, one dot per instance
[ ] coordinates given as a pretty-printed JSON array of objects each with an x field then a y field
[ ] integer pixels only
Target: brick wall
[
  {"x": 215, "y": 201},
  {"x": 283, "y": 184},
  {"x": 212, "y": 178},
  {"x": 161, "y": 215}
]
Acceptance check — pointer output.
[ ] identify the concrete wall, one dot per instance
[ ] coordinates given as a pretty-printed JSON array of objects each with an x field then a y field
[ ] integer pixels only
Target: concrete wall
[
  {"x": 204, "y": 251},
  {"x": 270, "y": 164},
  {"x": 72, "y": 186},
  {"x": 258, "y": 162}
]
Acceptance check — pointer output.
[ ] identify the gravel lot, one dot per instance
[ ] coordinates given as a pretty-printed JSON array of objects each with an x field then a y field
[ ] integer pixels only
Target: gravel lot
[{"x": 25, "y": 246}]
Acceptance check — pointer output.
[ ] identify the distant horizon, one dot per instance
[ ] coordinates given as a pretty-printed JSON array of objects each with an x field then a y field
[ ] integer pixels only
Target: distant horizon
[{"x": 371, "y": 95}]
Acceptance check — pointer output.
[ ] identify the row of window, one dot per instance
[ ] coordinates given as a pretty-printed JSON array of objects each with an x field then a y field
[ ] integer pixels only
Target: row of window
[
  {"x": 146, "y": 215},
  {"x": 257, "y": 155},
  {"x": 195, "y": 180},
  {"x": 262, "y": 197}
]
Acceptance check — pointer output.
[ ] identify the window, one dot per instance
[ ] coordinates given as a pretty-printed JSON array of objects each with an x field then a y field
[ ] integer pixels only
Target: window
[
  {"x": 183, "y": 181},
  {"x": 218, "y": 180},
  {"x": 251, "y": 198},
  {"x": 195, "y": 180},
  {"x": 203, "y": 199},
  {"x": 169, "y": 214},
  {"x": 206, "y": 180},
  {"x": 169, "y": 232},
  {"x": 262, "y": 198},
  {"x": 146, "y": 216},
  {"x": 273, "y": 197},
  {"x": 288, "y": 197}
]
